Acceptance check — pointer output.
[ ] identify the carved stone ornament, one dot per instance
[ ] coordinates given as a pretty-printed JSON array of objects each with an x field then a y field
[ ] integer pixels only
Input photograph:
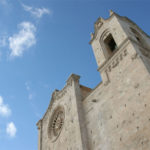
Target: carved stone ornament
[
  {"x": 114, "y": 62},
  {"x": 56, "y": 123}
]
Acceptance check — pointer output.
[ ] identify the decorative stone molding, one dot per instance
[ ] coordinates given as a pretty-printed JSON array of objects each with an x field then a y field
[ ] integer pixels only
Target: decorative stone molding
[
  {"x": 111, "y": 64},
  {"x": 98, "y": 24},
  {"x": 100, "y": 21},
  {"x": 119, "y": 54},
  {"x": 115, "y": 62},
  {"x": 104, "y": 35}
]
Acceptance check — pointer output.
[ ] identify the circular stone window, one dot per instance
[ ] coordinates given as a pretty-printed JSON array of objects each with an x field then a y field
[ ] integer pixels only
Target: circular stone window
[{"x": 56, "y": 123}]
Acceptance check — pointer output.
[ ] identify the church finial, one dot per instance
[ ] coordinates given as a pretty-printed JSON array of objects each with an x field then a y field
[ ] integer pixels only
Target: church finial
[
  {"x": 111, "y": 12},
  {"x": 92, "y": 35},
  {"x": 98, "y": 23}
]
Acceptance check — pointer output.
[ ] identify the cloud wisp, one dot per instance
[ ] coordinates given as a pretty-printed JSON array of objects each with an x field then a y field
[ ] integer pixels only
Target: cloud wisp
[
  {"x": 27, "y": 84},
  {"x": 11, "y": 129},
  {"x": 31, "y": 94},
  {"x": 4, "y": 109},
  {"x": 23, "y": 40},
  {"x": 36, "y": 12}
]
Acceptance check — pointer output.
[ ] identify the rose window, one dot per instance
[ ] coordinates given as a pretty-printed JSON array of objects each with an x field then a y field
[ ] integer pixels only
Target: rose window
[{"x": 56, "y": 123}]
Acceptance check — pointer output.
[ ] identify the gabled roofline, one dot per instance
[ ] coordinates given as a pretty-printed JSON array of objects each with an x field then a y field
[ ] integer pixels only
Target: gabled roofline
[{"x": 57, "y": 94}]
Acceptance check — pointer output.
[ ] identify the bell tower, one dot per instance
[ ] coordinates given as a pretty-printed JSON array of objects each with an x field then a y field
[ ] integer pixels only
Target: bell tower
[
  {"x": 115, "y": 115},
  {"x": 114, "y": 38}
]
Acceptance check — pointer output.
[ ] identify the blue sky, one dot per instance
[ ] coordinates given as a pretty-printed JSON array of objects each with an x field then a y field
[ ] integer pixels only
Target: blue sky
[{"x": 41, "y": 43}]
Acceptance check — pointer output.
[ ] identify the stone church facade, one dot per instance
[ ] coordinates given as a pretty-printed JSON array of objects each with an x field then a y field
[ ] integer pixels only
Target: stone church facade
[{"x": 115, "y": 115}]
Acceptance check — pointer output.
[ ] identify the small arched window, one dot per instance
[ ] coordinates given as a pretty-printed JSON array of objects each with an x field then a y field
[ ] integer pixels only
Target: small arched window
[{"x": 110, "y": 43}]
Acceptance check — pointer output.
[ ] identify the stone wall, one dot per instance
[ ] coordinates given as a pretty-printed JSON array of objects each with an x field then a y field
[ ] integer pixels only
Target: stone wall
[
  {"x": 71, "y": 137},
  {"x": 118, "y": 113}
]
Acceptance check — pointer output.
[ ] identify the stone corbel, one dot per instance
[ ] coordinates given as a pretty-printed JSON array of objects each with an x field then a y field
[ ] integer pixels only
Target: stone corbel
[{"x": 105, "y": 77}]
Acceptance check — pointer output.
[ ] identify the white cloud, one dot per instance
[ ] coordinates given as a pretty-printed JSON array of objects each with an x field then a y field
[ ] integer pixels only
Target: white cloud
[
  {"x": 4, "y": 109},
  {"x": 36, "y": 12},
  {"x": 11, "y": 129},
  {"x": 21, "y": 41}
]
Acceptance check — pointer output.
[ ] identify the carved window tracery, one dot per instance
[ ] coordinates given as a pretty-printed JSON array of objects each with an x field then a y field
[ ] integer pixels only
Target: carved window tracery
[{"x": 56, "y": 123}]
